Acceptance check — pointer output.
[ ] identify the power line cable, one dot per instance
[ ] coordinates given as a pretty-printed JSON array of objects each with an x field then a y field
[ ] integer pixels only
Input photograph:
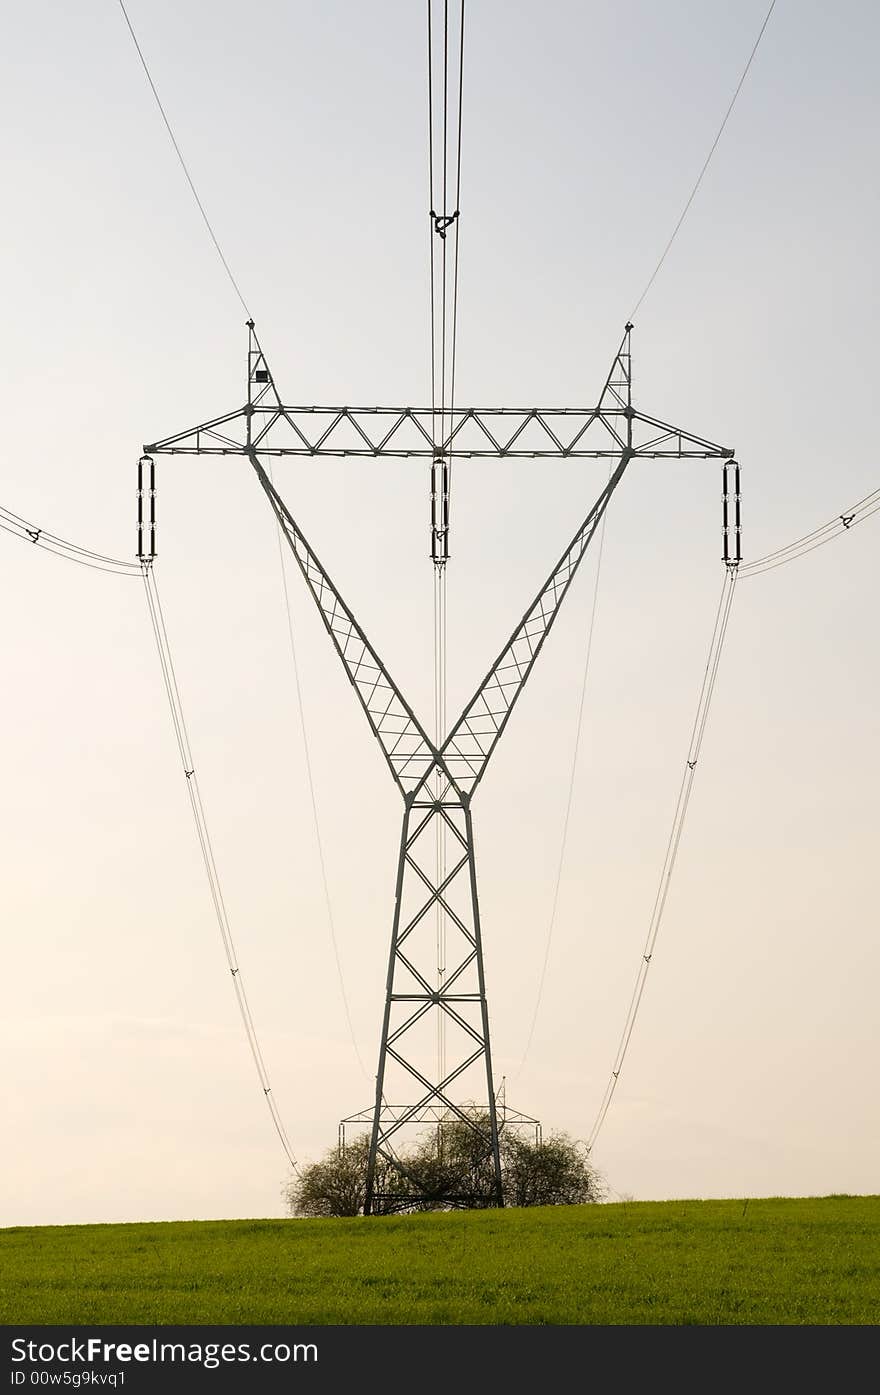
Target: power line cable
[
  {"x": 49, "y": 542},
  {"x": 18, "y": 527},
  {"x": 834, "y": 528},
  {"x": 431, "y": 233},
  {"x": 456, "y": 235},
  {"x": 444, "y": 325},
  {"x": 712, "y": 149},
  {"x": 710, "y": 674},
  {"x": 181, "y": 733},
  {"x": 246, "y": 308},
  {"x": 183, "y": 165}
]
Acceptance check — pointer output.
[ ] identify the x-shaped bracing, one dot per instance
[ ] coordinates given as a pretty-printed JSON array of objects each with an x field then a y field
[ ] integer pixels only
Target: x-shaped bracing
[{"x": 437, "y": 781}]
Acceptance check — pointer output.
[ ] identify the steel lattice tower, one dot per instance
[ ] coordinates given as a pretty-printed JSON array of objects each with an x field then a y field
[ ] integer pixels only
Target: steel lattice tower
[{"x": 437, "y": 779}]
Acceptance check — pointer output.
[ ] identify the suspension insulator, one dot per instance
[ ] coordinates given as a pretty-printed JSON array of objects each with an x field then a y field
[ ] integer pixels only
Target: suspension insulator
[
  {"x": 146, "y": 485},
  {"x": 737, "y": 511},
  {"x": 140, "y": 507},
  {"x": 434, "y": 518},
  {"x": 152, "y": 508}
]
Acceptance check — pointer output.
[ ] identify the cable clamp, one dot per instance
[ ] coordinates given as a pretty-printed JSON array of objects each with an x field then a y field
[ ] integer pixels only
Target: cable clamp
[
  {"x": 846, "y": 519},
  {"x": 442, "y": 221}
]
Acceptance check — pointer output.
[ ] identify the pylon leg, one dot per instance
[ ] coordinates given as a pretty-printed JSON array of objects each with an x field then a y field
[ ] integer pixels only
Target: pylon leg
[{"x": 413, "y": 1093}]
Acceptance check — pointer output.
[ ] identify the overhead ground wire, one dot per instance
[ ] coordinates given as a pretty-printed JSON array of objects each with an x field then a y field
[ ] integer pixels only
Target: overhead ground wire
[
  {"x": 183, "y": 165},
  {"x": 693, "y": 193},
  {"x": 234, "y": 283},
  {"x": 665, "y": 252}
]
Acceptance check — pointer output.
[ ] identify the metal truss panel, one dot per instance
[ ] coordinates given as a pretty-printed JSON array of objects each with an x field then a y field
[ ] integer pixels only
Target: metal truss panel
[
  {"x": 458, "y": 1086},
  {"x": 543, "y": 433},
  {"x": 591, "y": 433}
]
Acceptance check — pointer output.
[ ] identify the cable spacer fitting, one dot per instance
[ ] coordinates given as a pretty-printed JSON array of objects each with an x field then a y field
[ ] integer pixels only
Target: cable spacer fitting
[{"x": 442, "y": 221}]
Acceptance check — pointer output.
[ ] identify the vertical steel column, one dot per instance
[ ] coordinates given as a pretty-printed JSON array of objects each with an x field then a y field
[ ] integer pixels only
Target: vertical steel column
[
  {"x": 484, "y": 1006},
  {"x": 413, "y": 1002},
  {"x": 386, "y": 1019}
]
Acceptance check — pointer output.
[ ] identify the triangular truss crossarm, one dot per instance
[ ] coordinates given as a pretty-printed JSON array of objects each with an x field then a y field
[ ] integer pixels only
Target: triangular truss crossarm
[{"x": 424, "y": 985}]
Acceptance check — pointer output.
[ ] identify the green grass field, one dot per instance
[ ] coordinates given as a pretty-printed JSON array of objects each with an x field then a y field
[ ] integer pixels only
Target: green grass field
[{"x": 775, "y": 1261}]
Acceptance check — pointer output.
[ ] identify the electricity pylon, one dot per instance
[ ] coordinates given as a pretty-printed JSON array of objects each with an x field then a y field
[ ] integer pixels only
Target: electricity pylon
[{"x": 437, "y": 779}]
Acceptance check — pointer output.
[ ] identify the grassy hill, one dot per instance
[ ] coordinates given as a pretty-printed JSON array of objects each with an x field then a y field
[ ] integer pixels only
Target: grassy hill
[{"x": 812, "y": 1260}]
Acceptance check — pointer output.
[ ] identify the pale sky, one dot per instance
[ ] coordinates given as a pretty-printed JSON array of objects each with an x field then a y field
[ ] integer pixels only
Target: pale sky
[{"x": 127, "y": 1089}]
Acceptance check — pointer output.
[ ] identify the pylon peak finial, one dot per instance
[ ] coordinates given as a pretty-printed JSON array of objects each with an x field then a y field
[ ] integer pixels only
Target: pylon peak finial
[{"x": 628, "y": 326}]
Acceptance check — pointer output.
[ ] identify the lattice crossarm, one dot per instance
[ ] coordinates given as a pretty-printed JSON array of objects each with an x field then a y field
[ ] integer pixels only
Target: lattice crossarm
[
  {"x": 407, "y": 748},
  {"x": 473, "y": 738},
  {"x": 223, "y": 435},
  {"x": 660, "y": 438}
]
